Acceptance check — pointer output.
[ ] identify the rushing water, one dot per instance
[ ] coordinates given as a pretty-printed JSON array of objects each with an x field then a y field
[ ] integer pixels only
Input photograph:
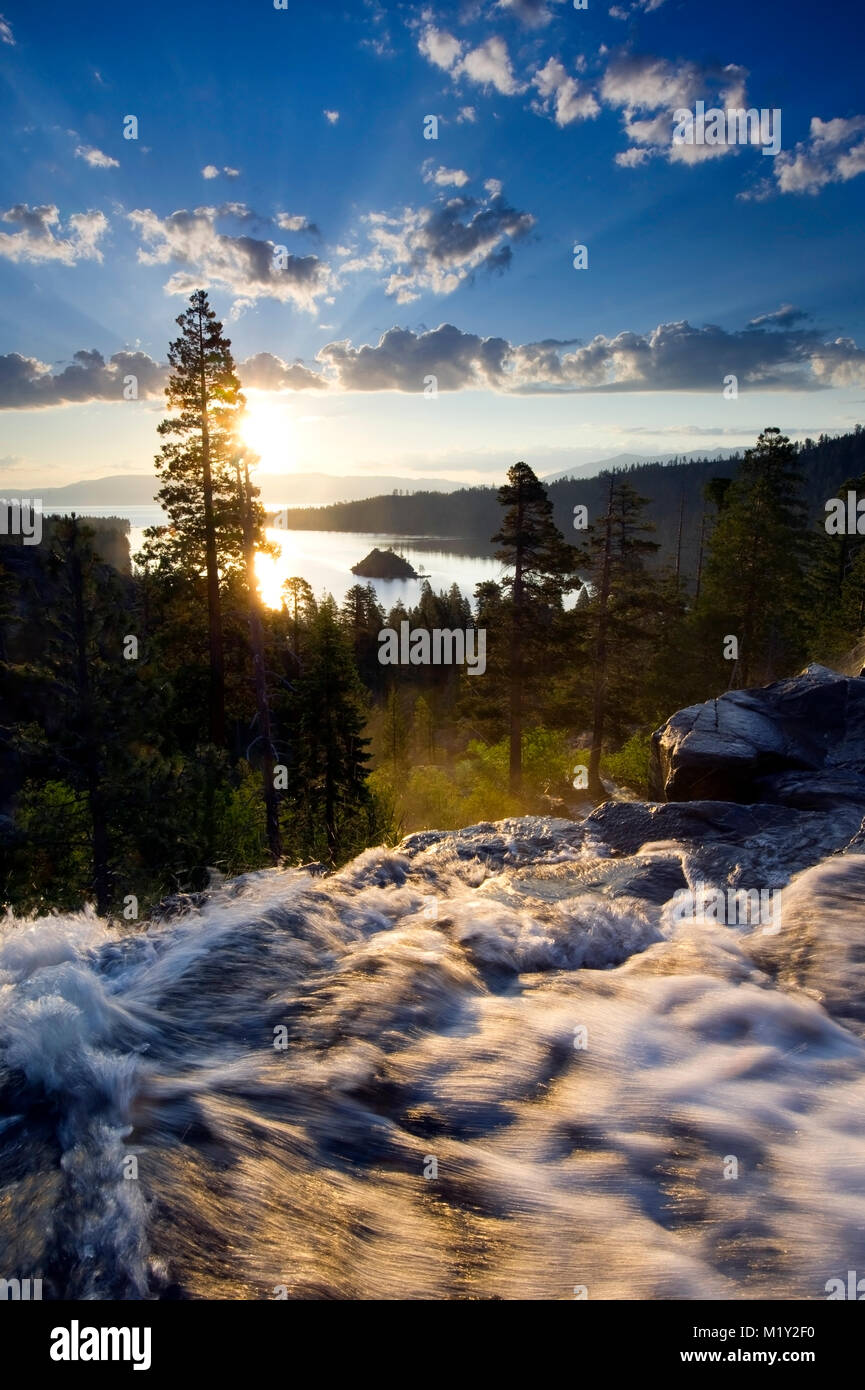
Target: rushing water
[{"x": 251, "y": 1098}]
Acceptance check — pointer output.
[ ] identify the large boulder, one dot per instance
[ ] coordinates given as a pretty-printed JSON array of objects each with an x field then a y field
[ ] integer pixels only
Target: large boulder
[{"x": 746, "y": 745}]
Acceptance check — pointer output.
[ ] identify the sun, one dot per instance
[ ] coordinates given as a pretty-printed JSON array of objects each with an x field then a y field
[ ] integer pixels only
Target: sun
[{"x": 268, "y": 429}]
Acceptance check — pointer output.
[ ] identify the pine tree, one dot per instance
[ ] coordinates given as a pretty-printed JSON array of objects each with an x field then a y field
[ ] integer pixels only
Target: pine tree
[
  {"x": 620, "y": 613},
  {"x": 754, "y": 586},
  {"x": 331, "y": 750},
  {"x": 300, "y": 602},
  {"x": 198, "y": 488},
  {"x": 531, "y": 546}
]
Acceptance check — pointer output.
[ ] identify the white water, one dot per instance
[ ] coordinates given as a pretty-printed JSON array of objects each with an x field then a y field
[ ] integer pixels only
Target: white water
[{"x": 412, "y": 1038}]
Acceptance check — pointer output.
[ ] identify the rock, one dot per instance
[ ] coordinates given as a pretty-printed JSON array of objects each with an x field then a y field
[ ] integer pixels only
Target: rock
[{"x": 740, "y": 746}]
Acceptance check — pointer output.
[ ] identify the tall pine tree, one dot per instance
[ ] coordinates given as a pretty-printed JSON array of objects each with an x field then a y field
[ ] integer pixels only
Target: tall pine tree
[
  {"x": 542, "y": 565},
  {"x": 196, "y": 468}
]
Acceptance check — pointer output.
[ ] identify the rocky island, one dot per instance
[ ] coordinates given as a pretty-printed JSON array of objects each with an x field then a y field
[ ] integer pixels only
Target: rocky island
[{"x": 384, "y": 564}]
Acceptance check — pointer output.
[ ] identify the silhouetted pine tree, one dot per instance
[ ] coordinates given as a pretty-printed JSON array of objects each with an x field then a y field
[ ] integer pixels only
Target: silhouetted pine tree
[
  {"x": 542, "y": 566},
  {"x": 198, "y": 487}
]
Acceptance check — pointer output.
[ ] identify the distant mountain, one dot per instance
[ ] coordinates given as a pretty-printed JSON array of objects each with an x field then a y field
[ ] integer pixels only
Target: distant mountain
[
  {"x": 590, "y": 470},
  {"x": 295, "y": 489},
  {"x": 121, "y": 489}
]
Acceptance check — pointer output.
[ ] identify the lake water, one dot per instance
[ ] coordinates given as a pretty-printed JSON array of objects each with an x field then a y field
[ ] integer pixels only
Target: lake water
[{"x": 324, "y": 558}]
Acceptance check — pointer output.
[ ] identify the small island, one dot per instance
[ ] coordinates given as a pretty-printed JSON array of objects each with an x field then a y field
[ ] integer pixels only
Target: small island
[{"x": 384, "y": 564}]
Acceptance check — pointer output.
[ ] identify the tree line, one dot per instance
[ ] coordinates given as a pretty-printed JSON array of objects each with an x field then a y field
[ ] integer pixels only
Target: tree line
[{"x": 162, "y": 724}]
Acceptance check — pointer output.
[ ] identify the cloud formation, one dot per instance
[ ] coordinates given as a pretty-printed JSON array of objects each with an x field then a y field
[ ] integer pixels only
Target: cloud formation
[
  {"x": 672, "y": 357},
  {"x": 648, "y": 91},
  {"x": 446, "y": 178},
  {"x": 437, "y": 248},
  {"x": 833, "y": 153},
  {"x": 770, "y": 353},
  {"x": 42, "y": 236},
  {"x": 488, "y": 65},
  {"x": 249, "y": 267},
  {"x": 265, "y": 372},
  {"x": 534, "y": 14},
  {"x": 560, "y": 96},
  {"x": 95, "y": 158},
  {"x": 27, "y": 384}
]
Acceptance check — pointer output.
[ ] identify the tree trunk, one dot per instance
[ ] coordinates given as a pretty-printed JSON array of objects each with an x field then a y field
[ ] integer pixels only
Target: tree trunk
[
  {"x": 700, "y": 557},
  {"x": 516, "y": 663},
  {"x": 214, "y": 611},
  {"x": 679, "y": 541},
  {"x": 600, "y": 692},
  {"x": 256, "y": 639},
  {"x": 98, "y": 819}
]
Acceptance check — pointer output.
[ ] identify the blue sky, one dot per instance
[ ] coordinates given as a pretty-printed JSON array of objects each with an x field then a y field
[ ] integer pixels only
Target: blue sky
[{"x": 303, "y": 128}]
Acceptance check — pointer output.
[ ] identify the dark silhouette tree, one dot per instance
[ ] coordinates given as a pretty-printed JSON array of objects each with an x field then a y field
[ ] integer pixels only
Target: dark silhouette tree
[
  {"x": 755, "y": 577},
  {"x": 542, "y": 566},
  {"x": 198, "y": 488}
]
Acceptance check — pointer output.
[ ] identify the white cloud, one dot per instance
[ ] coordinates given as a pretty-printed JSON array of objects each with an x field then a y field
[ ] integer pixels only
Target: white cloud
[
  {"x": 833, "y": 153},
  {"x": 6, "y": 35},
  {"x": 447, "y": 178},
  {"x": 265, "y": 372},
  {"x": 331, "y": 116},
  {"x": 436, "y": 248},
  {"x": 466, "y": 114},
  {"x": 43, "y": 238},
  {"x": 95, "y": 158},
  {"x": 534, "y": 14},
  {"x": 231, "y": 173},
  {"x": 561, "y": 97},
  {"x": 622, "y": 12},
  {"x": 440, "y": 47},
  {"x": 294, "y": 222},
  {"x": 210, "y": 171},
  {"x": 648, "y": 91},
  {"x": 488, "y": 65},
  {"x": 245, "y": 265}
]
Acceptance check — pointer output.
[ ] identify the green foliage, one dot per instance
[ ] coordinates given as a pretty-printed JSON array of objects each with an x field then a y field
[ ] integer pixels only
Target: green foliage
[
  {"x": 629, "y": 767},
  {"x": 47, "y": 857}
]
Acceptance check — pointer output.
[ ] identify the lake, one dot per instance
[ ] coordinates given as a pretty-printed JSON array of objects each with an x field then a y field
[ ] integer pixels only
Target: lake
[{"x": 324, "y": 558}]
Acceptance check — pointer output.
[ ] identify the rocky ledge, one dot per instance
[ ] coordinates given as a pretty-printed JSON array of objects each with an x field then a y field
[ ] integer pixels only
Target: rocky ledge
[{"x": 799, "y": 743}]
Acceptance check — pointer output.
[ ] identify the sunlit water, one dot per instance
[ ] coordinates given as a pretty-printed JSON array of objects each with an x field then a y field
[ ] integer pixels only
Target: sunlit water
[
  {"x": 324, "y": 559},
  {"x": 367, "y": 1086}
]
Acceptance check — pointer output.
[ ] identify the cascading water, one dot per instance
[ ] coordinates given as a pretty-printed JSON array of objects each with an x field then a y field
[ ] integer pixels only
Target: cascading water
[{"x": 500, "y": 1063}]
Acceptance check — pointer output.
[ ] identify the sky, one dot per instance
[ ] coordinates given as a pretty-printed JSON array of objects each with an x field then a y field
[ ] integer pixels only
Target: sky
[{"x": 383, "y": 201}]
